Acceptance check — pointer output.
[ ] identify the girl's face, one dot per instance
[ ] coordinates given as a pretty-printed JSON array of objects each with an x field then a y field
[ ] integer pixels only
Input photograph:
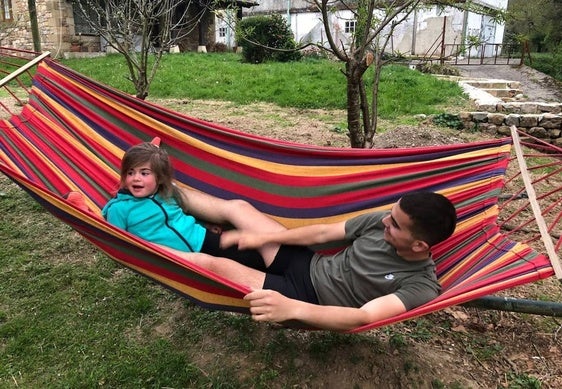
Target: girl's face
[{"x": 141, "y": 181}]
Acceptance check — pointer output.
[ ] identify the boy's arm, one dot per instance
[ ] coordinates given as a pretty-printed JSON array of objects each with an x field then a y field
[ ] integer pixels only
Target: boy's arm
[
  {"x": 300, "y": 236},
  {"x": 268, "y": 305}
]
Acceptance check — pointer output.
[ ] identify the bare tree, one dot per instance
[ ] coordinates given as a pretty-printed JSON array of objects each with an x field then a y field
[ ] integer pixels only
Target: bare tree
[
  {"x": 376, "y": 21},
  {"x": 142, "y": 30}
]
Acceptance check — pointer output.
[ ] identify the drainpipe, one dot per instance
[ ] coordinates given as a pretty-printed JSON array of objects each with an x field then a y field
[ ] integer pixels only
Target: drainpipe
[
  {"x": 414, "y": 33},
  {"x": 442, "y": 54},
  {"x": 464, "y": 29},
  {"x": 34, "y": 25}
]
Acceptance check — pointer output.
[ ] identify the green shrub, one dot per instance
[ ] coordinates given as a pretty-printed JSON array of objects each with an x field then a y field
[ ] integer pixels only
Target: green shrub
[
  {"x": 448, "y": 120},
  {"x": 264, "y": 38},
  {"x": 548, "y": 63},
  {"x": 445, "y": 69}
]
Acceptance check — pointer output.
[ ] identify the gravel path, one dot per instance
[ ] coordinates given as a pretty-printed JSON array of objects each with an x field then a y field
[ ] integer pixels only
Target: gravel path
[{"x": 536, "y": 86}]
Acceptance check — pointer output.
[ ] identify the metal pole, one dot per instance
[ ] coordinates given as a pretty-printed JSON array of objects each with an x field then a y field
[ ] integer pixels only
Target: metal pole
[
  {"x": 414, "y": 33},
  {"x": 442, "y": 59},
  {"x": 510, "y": 304}
]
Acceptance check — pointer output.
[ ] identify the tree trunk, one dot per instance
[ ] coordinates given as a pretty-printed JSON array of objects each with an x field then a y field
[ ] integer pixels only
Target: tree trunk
[
  {"x": 357, "y": 108},
  {"x": 142, "y": 85}
]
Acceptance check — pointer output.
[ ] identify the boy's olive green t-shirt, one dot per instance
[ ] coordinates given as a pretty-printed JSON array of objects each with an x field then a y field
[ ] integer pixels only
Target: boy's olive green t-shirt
[{"x": 369, "y": 268}]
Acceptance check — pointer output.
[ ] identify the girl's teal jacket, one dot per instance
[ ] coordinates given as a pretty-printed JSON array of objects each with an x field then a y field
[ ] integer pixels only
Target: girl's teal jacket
[{"x": 155, "y": 219}]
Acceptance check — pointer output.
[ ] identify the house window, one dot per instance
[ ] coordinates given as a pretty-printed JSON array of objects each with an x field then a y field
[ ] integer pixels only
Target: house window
[
  {"x": 350, "y": 26},
  {"x": 222, "y": 32},
  {"x": 81, "y": 25},
  {"x": 6, "y": 10}
]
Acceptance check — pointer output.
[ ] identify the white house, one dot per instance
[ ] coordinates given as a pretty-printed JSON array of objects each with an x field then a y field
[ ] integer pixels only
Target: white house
[{"x": 421, "y": 34}]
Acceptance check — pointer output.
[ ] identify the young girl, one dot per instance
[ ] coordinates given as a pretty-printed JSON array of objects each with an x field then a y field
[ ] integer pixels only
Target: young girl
[{"x": 149, "y": 205}]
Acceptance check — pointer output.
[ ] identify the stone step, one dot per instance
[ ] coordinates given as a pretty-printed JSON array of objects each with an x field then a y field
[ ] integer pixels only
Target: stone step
[
  {"x": 502, "y": 92},
  {"x": 494, "y": 84}
]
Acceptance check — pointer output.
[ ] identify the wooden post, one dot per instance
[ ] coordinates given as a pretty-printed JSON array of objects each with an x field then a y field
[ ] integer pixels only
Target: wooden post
[
  {"x": 23, "y": 69},
  {"x": 34, "y": 25},
  {"x": 547, "y": 240},
  {"x": 525, "y": 51}
]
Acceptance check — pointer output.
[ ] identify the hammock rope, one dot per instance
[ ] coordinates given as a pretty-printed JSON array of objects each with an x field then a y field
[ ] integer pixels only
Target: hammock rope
[{"x": 71, "y": 135}]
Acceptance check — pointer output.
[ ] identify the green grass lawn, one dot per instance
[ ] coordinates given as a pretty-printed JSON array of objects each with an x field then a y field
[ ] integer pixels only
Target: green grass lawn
[{"x": 305, "y": 84}]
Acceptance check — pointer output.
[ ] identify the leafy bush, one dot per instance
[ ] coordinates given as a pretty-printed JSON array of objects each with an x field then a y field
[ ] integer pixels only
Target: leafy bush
[
  {"x": 445, "y": 69},
  {"x": 219, "y": 48},
  {"x": 548, "y": 63},
  {"x": 265, "y": 38},
  {"x": 448, "y": 120}
]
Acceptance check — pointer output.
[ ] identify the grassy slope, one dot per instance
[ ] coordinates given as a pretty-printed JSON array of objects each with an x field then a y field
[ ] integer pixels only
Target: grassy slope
[{"x": 306, "y": 84}]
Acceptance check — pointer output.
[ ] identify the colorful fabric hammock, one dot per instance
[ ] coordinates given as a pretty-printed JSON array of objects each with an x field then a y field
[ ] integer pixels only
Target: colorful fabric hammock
[{"x": 72, "y": 134}]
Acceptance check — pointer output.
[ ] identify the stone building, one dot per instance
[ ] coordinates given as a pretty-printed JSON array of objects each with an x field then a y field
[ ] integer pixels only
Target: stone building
[
  {"x": 416, "y": 36},
  {"x": 61, "y": 29}
]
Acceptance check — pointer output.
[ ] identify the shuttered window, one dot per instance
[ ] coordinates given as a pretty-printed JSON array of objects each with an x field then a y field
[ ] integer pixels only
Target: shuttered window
[
  {"x": 81, "y": 26},
  {"x": 6, "y": 10}
]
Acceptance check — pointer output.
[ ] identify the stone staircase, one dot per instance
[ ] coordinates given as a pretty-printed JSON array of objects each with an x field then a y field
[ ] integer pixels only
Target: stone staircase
[
  {"x": 487, "y": 93},
  {"x": 503, "y": 89},
  {"x": 501, "y": 104}
]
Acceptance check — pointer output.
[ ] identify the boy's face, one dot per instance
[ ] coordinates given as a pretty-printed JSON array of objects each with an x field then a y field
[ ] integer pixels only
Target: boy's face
[
  {"x": 397, "y": 231},
  {"x": 141, "y": 181}
]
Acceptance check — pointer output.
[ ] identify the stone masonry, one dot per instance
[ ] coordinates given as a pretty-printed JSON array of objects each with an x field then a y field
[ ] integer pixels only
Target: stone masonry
[
  {"x": 546, "y": 126},
  {"x": 539, "y": 119}
]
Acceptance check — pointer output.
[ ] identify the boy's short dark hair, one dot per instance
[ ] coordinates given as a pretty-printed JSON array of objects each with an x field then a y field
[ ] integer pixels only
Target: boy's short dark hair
[{"x": 433, "y": 216}]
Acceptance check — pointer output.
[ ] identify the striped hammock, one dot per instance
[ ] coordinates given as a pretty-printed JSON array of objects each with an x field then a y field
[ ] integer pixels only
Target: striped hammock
[{"x": 73, "y": 132}]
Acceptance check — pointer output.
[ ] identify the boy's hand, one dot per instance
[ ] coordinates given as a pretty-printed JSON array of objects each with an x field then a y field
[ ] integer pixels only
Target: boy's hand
[
  {"x": 244, "y": 240},
  {"x": 269, "y": 305},
  {"x": 229, "y": 238}
]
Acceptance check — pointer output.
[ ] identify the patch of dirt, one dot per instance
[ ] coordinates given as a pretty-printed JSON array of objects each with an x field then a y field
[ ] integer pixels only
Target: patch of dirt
[{"x": 311, "y": 126}]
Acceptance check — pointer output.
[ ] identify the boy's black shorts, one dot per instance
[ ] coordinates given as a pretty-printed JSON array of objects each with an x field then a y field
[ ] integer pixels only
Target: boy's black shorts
[{"x": 289, "y": 274}]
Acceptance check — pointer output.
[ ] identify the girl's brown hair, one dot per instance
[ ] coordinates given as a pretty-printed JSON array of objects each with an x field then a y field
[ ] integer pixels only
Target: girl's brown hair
[{"x": 159, "y": 163}]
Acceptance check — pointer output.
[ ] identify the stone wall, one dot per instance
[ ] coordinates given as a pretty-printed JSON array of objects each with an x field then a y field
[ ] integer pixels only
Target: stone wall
[
  {"x": 16, "y": 33},
  {"x": 55, "y": 22},
  {"x": 541, "y": 120},
  {"x": 57, "y": 29}
]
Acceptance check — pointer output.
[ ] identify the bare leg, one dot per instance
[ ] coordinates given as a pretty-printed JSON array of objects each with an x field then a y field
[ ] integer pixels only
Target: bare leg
[
  {"x": 225, "y": 267},
  {"x": 241, "y": 214}
]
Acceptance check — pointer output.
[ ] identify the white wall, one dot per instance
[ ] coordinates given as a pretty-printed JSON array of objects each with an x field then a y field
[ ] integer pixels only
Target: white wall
[
  {"x": 497, "y": 4},
  {"x": 418, "y": 35},
  {"x": 226, "y": 20}
]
